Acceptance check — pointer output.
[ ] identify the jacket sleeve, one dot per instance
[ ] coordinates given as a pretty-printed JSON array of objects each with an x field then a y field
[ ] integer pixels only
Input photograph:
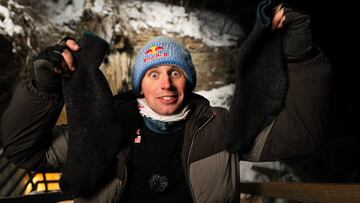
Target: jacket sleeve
[
  {"x": 27, "y": 128},
  {"x": 300, "y": 128}
]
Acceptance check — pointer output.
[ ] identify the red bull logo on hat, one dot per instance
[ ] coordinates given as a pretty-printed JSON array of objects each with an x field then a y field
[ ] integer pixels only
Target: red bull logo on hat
[{"x": 155, "y": 52}]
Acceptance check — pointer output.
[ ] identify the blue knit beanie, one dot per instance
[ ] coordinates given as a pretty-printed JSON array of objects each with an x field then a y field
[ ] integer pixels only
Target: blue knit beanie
[{"x": 162, "y": 51}]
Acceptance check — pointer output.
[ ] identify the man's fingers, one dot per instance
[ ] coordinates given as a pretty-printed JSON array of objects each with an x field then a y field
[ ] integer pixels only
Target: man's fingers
[
  {"x": 277, "y": 8},
  {"x": 69, "y": 60},
  {"x": 67, "y": 55},
  {"x": 65, "y": 48},
  {"x": 278, "y": 18},
  {"x": 72, "y": 45},
  {"x": 281, "y": 24}
]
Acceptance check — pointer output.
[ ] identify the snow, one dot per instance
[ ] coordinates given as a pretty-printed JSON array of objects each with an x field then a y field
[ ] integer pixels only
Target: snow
[
  {"x": 99, "y": 6},
  {"x": 219, "y": 96},
  {"x": 7, "y": 26},
  {"x": 214, "y": 29},
  {"x": 63, "y": 12}
]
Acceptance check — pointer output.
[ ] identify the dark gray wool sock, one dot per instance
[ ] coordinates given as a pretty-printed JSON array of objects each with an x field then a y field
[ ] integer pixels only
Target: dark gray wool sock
[
  {"x": 261, "y": 82},
  {"x": 94, "y": 134}
]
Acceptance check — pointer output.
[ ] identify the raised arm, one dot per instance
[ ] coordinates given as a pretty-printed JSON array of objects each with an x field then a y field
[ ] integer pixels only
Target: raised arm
[
  {"x": 301, "y": 127},
  {"x": 280, "y": 106},
  {"x": 27, "y": 126}
]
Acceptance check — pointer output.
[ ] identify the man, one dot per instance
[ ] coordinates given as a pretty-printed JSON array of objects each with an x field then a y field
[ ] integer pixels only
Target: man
[{"x": 177, "y": 147}]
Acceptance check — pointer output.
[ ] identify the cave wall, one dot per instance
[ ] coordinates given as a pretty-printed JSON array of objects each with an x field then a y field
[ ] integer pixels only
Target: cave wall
[{"x": 213, "y": 43}]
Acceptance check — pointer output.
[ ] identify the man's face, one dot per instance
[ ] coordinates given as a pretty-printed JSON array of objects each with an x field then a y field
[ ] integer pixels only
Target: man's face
[{"x": 164, "y": 89}]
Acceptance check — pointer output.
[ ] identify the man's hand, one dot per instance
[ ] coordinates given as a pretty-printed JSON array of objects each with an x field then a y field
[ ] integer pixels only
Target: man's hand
[
  {"x": 51, "y": 62},
  {"x": 297, "y": 36},
  {"x": 278, "y": 17},
  {"x": 68, "y": 63}
]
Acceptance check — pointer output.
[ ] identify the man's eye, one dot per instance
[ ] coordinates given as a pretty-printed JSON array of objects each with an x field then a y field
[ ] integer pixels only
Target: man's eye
[
  {"x": 175, "y": 74},
  {"x": 154, "y": 75}
]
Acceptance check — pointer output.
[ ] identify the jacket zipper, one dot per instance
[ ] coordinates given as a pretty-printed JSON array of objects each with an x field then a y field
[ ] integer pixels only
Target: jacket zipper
[{"x": 188, "y": 158}]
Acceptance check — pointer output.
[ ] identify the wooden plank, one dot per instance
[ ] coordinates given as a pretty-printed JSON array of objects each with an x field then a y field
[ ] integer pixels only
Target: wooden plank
[{"x": 311, "y": 192}]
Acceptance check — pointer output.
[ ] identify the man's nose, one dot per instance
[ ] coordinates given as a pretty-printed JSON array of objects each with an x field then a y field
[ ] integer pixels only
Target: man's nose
[{"x": 165, "y": 82}]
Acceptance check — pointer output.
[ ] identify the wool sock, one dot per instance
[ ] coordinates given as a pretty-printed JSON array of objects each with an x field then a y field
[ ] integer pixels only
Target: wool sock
[
  {"x": 261, "y": 82},
  {"x": 94, "y": 133}
]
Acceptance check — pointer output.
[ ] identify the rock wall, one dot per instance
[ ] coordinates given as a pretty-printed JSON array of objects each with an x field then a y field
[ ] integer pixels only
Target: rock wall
[{"x": 211, "y": 37}]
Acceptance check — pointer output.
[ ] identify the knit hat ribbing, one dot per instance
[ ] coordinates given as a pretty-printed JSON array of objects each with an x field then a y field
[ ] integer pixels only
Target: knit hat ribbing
[{"x": 162, "y": 51}]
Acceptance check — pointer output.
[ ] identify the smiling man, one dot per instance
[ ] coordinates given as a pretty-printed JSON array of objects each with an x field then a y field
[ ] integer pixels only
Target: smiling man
[
  {"x": 164, "y": 89},
  {"x": 163, "y": 75}
]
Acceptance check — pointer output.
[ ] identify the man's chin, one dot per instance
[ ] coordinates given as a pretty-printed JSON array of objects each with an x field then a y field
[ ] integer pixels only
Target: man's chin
[{"x": 167, "y": 112}]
